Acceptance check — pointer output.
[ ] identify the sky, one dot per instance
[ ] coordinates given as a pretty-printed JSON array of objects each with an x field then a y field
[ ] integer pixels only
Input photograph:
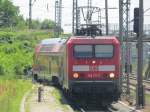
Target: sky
[{"x": 45, "y": 9}]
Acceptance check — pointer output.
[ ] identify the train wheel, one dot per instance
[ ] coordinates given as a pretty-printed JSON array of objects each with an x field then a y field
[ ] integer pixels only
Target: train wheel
[
  {"x": 55, "y": 82},
  {"x": 35, "y": 78},
  {"x": 105, "y": 104},
  {"x": 69, "y": 94},
  {"x": 64, "y": 92}
]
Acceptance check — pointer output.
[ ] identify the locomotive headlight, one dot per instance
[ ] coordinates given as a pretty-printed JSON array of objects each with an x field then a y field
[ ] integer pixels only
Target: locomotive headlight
[
  {"x": 76, "y": 75},
  {"x": 93, "y": 62},
  {"x": 111, "y": 75}
]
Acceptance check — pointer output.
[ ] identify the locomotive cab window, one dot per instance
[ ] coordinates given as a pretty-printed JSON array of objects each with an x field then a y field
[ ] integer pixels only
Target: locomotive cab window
[
  {"x": 104, "y": 51},
  {"x": 83, "y": 51}
]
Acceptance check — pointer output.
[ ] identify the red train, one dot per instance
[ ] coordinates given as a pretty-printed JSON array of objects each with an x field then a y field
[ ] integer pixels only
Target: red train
[{"x": 82, "y": 65}]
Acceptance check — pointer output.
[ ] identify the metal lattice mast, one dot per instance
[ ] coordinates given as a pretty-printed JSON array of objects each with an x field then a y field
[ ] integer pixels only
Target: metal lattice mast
[
  {"x": 58, "y": 16},
  {"x": 89, "y": 3},
  {"x": 74, "y": 18},
  {"x": 123, "y": 34},
  {"x": 128, "y": 48},
  {"x": 106, "y": 14},
  {"x": 89, "y": 12},
  {"x": 56, "y": 13}
]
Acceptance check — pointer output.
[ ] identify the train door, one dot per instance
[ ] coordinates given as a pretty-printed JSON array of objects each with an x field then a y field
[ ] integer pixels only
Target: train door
[
  {"x": 61, "y": 70},
  {"x": 50, "y": 68},
  {"x": 45, "y": 72}
]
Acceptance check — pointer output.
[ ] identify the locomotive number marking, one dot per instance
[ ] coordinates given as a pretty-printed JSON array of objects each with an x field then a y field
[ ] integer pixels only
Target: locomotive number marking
[
  {"x": 93, "y": 76},
  {"x": 93, "y": 68}
]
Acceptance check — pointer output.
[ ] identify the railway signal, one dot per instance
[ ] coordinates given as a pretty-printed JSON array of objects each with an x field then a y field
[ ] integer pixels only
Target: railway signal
[{"x": 136, "y": 20}]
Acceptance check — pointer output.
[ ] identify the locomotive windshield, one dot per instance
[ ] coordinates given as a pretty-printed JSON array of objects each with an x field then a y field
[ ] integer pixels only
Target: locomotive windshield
[
  {"x": 82, "y": 51},
  {"x": 103, "y": 51},
  {"x": 89, "y": 51}
]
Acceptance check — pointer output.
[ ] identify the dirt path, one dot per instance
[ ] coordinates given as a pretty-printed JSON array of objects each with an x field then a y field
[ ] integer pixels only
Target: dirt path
[{"x": 51, "y": 101}]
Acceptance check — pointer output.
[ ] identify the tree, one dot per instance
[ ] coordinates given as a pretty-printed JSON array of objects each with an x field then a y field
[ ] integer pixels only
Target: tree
[
  {"x": 47, "y": 24},
  {"x": 21, "y": 23},
  {"x": 36, "y": 24},
  {"x": 9, "y": 14}
]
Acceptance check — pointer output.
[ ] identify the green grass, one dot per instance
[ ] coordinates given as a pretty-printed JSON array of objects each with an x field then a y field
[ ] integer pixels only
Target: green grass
[
  {"x": 11, "y": 94},
  {"x": 16, "y": 52},
  {"x": 147, "y": 98},
  {"x": 59, "y": 100},
  {"x": 56, "y": 93}
]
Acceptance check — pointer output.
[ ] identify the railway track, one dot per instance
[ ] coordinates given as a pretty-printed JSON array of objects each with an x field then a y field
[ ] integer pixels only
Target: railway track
[
  {"x": 88, "y": 108},
  {"x": 133, "y": 82},
  {"x": 135, "y": 78},
  {"x": 109, "y": 109},
  {"x": 78, "y": 108}
]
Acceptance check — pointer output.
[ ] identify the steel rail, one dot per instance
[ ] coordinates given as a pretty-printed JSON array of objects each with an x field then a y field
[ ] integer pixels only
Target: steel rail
[{"x": 134, "y": 78}]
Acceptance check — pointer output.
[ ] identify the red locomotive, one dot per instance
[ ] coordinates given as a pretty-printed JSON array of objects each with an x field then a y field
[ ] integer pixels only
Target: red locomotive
[{"x": 81, "y": 65}]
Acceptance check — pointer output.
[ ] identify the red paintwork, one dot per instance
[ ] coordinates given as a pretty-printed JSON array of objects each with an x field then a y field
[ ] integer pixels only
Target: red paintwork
[
  {"x": 93, "y": 75},
  {"x": 37, "y": 50}
]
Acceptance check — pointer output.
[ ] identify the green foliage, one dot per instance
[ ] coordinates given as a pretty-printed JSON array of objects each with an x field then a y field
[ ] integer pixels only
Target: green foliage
[
  {"x": 9, "y": 14},
  {"x": 17, "y": 54},
  {"x": 10, "y": 17},
  {"x": 1, "y": 70},
  {"x": 47, "y": 24},
  {"x": 36, "y": 24},
  {"x": 21, "y": 23}
]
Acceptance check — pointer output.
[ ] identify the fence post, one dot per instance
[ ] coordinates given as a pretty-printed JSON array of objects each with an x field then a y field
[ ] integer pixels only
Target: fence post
[{"x": 40, "y": 89}]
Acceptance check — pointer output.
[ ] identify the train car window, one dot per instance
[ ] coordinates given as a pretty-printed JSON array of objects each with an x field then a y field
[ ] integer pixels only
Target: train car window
[
  {"x": 104, "y": 51},
  {"x": 83, "y": 51}
]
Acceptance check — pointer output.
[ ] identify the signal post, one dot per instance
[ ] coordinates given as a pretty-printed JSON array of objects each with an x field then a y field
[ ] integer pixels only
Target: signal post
[{"x": 140, "y": 96}]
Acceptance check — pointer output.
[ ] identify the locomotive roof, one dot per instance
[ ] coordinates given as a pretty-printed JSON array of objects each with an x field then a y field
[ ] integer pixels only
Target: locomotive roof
[
  {"x": 97, "y": 37},
  {"x": 96, "y": 40}
]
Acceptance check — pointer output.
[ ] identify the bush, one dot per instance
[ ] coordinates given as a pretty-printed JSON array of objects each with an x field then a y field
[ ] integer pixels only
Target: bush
[
  {"x": 9, "y": 50},
  {"x": 18, "y": 69},
  {"x": 14, "y": 57},
  {"x": 1, "y": 70}
]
